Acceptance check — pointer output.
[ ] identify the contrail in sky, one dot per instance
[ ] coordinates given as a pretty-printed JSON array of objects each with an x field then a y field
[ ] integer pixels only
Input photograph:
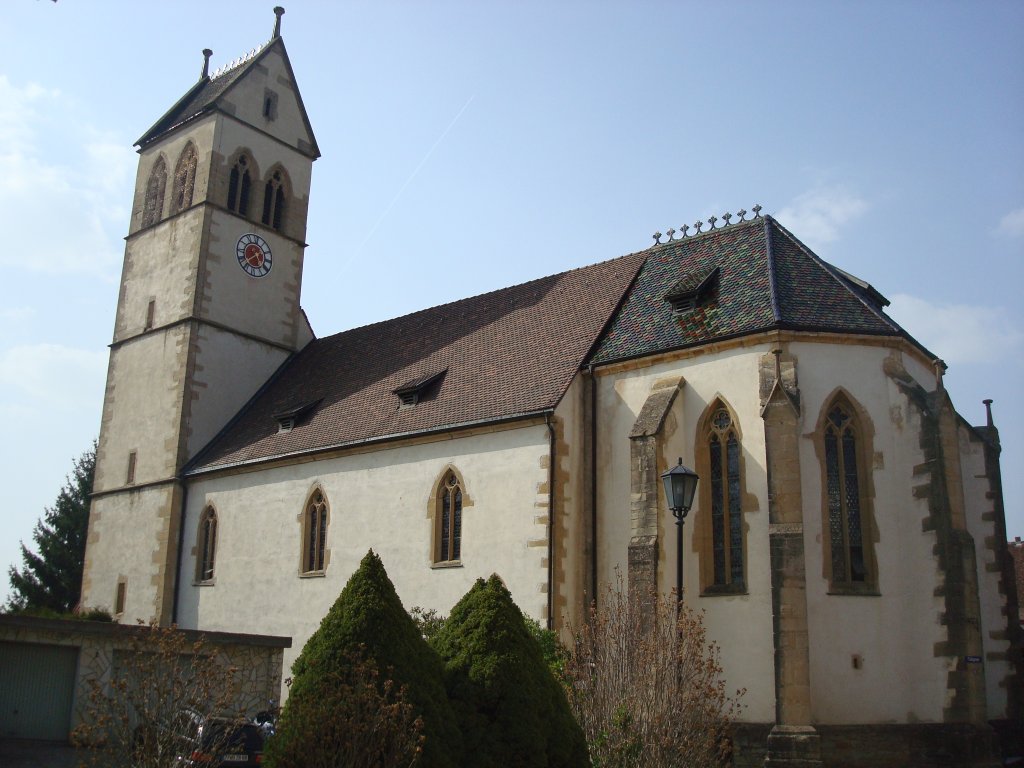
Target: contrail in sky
[{"x": 408, "y": 181}]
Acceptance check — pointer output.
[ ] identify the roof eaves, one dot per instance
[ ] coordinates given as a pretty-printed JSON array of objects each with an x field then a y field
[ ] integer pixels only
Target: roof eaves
[
  {"x": 193, "y": 470},
  {"x": 159, "y": 128}
]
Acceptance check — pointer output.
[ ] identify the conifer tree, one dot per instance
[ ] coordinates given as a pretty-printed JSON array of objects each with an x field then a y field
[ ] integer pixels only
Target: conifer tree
[
  {"x": 513, "y": 711},
  {"x": 368, "y": 622},
  {"x": 51, "y": 577}
]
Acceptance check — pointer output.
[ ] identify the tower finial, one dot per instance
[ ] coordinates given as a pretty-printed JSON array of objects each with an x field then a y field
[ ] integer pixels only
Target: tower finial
[
  {"x": 988, "y": 410},
  {"x": 278, "y": 12},
  {"x": 207, "y": 53}
]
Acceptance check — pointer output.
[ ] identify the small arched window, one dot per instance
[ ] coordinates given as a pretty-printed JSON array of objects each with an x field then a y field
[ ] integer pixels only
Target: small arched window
[
  {"x": 448, "y": 520},
  {"x": 207, "y": 546},
  {"x": 185, "y": 178},
  {"x": 239, "y": 185},
  {"x": 843, "y": 484},
  {"x": 314, "y": 533},
  {"x": 153, "y": 205},
  {"x": 274, "y": 201}
]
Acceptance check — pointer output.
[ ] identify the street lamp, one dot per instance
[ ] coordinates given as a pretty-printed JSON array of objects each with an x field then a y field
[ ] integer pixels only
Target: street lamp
[{"x": 680, "y": 486}]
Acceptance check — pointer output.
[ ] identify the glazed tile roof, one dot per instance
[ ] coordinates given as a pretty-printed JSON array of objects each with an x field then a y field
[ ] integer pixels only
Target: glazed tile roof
[
  {"x": 767, "y": 280},
  {"x": 507, "y": 353}
]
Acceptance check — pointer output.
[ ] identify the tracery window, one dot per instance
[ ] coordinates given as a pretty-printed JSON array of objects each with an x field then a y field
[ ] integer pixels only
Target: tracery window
[
  {"x": 723, "y": 455},
  {"x": 274, "y": 201},
  {"x": 153, "y": 204},
  {"x": 314, "y": 533},
  {"x": 843, "y": 493},
  {"x": 185, "y": 178},
  {"x": 448, "y": 524},
  {"x": 207, "y": 545},
  {"x": 239, "y": 186}
]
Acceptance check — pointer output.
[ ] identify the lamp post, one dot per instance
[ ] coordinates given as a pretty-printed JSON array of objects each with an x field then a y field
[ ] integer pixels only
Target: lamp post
[{"x": 680, "y": 486}]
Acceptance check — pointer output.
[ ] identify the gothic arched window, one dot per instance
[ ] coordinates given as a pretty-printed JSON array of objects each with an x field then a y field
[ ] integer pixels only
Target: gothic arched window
[
  {"x": 153, "y": 204},
  {"x": 274, "y": 201},
  {"x": 722, "y": 444},
  {"x": 844, "y": 497},
  {"x": 314, "y": 533},
  {"x": 206, "y": 551},
  {"x": 239, "y": 185},
  {"x": 185, "y": 178},
  {"x": 448, "y": 520}
]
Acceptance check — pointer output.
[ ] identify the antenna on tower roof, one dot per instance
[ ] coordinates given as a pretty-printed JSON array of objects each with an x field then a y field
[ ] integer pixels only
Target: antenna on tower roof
[{"x": 278, "y": 12}]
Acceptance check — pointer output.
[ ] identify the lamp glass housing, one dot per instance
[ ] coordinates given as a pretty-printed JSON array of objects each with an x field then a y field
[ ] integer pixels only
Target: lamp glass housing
[{"x": 680, "y": 487}]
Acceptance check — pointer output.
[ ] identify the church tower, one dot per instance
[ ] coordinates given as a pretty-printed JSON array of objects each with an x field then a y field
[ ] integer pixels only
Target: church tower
[{"x": 208, "y": 309}]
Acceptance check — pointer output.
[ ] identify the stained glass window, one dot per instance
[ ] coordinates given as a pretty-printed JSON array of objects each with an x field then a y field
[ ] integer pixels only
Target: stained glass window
[
  {"x": 207, "y": 544},
  {"x": 315, "y": 530},
  {"x": 726, "y": 514},
  {"x": 449, "y": 534},
  {"x": 842, "y": 489}
]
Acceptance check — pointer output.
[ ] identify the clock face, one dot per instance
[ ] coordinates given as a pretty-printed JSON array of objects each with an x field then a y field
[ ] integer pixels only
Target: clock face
[{"x": 254, "y": 255}]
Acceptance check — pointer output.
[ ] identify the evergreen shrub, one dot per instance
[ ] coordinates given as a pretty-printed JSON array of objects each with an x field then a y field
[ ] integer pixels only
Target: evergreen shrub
[{"x": 513, "y": 711}]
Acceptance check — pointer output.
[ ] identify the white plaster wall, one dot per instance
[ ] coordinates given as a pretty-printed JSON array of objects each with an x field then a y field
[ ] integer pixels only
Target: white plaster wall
[
  {"x": 126, "y": 531},
  {"x": 894, "y": 633},
  {"x": 246, "y": 99},
  {"x": 979, "y": 512},
  {"x": 142, "y": 409},
  {"x": 740, "y": 624},
  {"x": 231, "y": 368},
  {"x": 377, "y": 499}
]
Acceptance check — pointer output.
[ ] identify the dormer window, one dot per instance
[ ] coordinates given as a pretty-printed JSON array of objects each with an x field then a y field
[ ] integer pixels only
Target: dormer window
[
  {"x": 288, "y": 420},
  {"x": 420, "y": 388},
  {"x": 691, "y": 290}
]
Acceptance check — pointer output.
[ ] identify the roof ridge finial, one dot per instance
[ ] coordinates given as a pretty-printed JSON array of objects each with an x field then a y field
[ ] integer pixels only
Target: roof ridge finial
[
  {"x": 207, "y": 53},
  {"x": 988, "y": 411},
  {"x": 278, "y": 12}
]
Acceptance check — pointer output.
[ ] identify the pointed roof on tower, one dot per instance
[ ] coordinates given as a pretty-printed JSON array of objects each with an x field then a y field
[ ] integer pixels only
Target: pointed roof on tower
[{"x": 213, "y": 92}]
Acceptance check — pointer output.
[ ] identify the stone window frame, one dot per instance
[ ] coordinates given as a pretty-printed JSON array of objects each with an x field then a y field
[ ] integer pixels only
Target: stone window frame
[
  {"x": 185, "y": 178},
  {"x": 156, "y": 188},
  {"x": 206, "y": 546},
  {"x": 863, "y": 430},
  {"x": 436, "y": 513},
  {"x": 315, "y": 520},
  {"x": 233, "y": 195},
  {"x": 276, "y": 198},
  {"x": 703, "y": 524}
]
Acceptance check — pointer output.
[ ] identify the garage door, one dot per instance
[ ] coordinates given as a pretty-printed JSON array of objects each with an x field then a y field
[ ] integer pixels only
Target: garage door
[{"x": 37, "y": 685}]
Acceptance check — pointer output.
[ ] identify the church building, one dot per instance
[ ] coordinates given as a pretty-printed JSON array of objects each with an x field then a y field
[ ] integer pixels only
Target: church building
[{"x": 846, "y": 546}]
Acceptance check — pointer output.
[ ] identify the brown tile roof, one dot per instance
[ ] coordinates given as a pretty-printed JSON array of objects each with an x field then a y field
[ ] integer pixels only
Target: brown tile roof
[{"x": 502, "y": 354}]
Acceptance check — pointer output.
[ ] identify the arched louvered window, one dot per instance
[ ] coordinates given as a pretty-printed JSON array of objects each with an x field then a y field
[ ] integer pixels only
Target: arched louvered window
[
  {"x": 721, "y": 441},
  {"x": 239, "y": 186},
  {"x": 448, "y": 522},
  {"x": 843, "y": 492},
  {"x": 274, "y": 201},
  {"x": 185, "y": 178},
  {"x": 314, "y": 533},
  {"x": 153, "y": 204},
  {"x": 206, "y": 551}
]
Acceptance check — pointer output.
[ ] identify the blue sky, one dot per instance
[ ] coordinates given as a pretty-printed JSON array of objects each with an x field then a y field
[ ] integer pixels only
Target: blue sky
[{"x": 469, "y": 146}]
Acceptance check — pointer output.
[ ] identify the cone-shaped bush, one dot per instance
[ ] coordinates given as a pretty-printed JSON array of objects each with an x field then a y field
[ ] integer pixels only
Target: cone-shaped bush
[
  {"x": 513, "y": 711},
  {"x": 367, "y": 620}
]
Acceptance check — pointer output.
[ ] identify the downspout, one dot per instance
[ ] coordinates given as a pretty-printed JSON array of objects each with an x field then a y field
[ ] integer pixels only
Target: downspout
[
  {"x": 551, "y": 520},
  {"x": 593, "y": 486},
  {"x": 181, "y": 547}
]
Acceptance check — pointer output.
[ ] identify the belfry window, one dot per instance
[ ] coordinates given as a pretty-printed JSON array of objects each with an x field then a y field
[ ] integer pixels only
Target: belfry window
[
  {"x": 274, "y": 201},
  {"x": 185, "y": 178},
  {"x": 843, "y": 495},
  {"x": 207, "y": 545},
  {"x": 239, "y": 185},
  {"x": 448, "y": 538},
  {"x": 314, "y": 534},
  {"x": 153, "y": 204}
]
